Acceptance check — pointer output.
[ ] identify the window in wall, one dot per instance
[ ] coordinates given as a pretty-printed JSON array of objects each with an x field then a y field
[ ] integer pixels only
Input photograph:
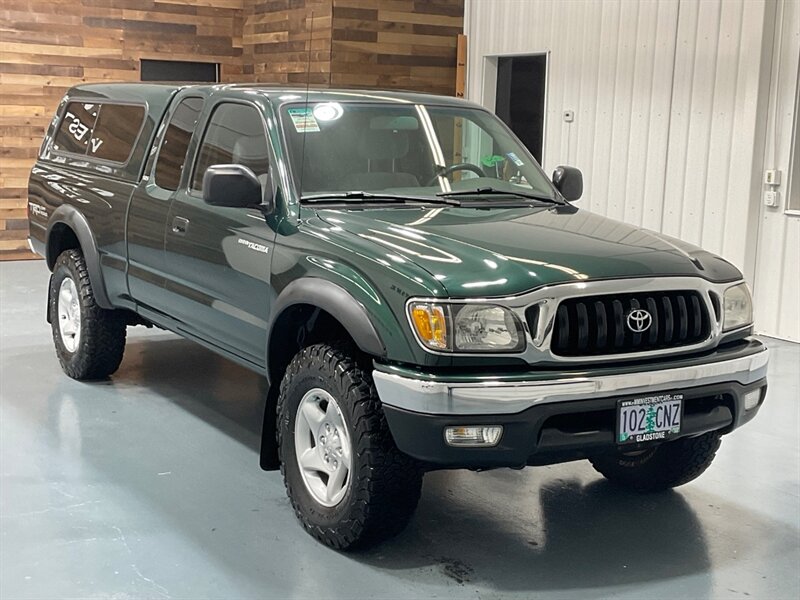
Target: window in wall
[
  {"x": 793, "y": 203},
  {"x": 115, "y": 131},
  {"x": 520, "y": 99},
  {"x": 76, "y": 127},
  {"x": 172, "y": 154},
  {"x": 235, "y": 135},
  {"x": 178, "y": 70}
]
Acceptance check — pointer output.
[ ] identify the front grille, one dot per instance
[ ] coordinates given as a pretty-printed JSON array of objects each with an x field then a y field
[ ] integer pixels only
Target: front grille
[{"x": 595, "y": 325}]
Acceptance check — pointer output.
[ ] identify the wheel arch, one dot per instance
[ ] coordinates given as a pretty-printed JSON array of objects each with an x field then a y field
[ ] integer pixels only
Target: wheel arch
[
  {"x": 68, "y": 229},
  {"x": 307, "y": 311},
  {"x": 329, "y": 299}
]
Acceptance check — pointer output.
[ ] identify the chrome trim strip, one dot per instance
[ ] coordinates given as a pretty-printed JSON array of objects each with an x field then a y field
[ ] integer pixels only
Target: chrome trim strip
[
  {"x": 499, "y": 397},
  {"x": 548, "y": 298}
]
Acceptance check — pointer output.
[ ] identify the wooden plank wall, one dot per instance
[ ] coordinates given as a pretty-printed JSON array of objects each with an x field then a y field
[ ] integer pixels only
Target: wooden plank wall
[
  {"x": 400, "y": 44},
  {"x": 276, "y": 41},
  {"x": 46, "y": 46}
]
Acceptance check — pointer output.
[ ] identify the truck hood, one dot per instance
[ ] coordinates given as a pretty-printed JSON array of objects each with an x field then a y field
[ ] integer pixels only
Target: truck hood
[{"x": 503, "y": 251}]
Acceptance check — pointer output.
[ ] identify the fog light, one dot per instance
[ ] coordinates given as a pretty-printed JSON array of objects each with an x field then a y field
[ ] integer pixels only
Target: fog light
[
  {"x": 473, "y": 435},
  {"x": 751, "y": 399}
]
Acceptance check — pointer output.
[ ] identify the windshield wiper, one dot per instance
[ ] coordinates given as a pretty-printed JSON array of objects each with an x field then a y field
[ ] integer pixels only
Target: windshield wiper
[
  {"x": 497, "y": 192},
  {"x": 357, "y": 197}
]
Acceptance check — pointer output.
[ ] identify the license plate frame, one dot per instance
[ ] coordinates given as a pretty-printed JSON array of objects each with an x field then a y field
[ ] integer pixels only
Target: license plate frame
[{"x": 639, "y": 421}]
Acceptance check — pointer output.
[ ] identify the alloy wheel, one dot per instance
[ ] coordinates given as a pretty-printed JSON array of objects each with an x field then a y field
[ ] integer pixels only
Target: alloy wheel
[
  {"x": 322, "y": 446},
  {"x": 69, "y": 314}
]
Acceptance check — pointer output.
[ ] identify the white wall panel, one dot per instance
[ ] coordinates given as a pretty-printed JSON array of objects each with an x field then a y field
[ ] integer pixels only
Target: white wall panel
[
  {"x": 777, "y": 280},
  {"x": 611, "y": 62},
  {"x": 669, "y": 99},
  {"x": 660, "y": 117},
  {"x": 708, "y": 199}
]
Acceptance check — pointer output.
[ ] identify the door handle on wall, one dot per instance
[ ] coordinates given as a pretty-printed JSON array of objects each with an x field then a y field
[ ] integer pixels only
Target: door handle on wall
[{"x": 180, "y": 225}]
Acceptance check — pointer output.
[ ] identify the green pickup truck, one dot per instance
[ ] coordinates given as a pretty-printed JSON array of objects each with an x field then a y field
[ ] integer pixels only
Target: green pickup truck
[{"x": 418, "y": 293}]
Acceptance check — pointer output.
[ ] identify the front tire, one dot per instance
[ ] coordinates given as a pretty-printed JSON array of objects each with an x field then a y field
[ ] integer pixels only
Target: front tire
[
  {"x": 666, "y": 466},
  {"x": 89, "y": 340},
  {"x": 349, "y": 485}
]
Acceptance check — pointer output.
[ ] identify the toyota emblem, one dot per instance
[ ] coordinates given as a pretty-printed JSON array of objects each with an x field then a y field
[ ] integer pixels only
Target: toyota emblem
[{"x": 639, "y": 320}]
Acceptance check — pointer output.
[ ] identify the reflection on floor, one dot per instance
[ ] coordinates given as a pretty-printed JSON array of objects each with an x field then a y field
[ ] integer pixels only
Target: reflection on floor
[{"x": 148, "y": 486}]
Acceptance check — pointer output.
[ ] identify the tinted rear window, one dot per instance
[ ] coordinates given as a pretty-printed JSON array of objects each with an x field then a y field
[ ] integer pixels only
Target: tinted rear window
[
  {"x": 107, "y": 131},
  {"x": 115, "y": 131},
  {"x": 76, "y": 127}
]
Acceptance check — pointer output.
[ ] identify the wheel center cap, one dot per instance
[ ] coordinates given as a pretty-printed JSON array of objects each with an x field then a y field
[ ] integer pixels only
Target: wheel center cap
[{"x": 329, "y": 446}]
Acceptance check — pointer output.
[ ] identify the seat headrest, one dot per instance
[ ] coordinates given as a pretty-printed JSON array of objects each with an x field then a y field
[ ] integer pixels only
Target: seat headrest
[
  {"x": 382, "y": 144},
  {"x": 252, "y": 152}
]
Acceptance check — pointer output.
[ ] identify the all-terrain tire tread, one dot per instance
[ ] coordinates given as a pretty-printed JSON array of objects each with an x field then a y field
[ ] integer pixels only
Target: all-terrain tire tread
[
  {"x": 388, "y": 485},
  {"x": 103, "y": 332}
]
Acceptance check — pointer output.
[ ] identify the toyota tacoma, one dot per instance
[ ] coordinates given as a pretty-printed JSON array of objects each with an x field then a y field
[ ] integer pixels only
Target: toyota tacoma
[{"x": 419, "y": 294}]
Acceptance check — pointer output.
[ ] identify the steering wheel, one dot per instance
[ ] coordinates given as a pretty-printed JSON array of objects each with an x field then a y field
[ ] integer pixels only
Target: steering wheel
[{"x": 458, "y": 167}]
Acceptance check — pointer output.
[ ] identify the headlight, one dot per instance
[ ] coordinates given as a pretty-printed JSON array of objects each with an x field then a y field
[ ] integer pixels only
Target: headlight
[
  {"x": 737, "y": 307},
  {"x": 466, "y": 327}
]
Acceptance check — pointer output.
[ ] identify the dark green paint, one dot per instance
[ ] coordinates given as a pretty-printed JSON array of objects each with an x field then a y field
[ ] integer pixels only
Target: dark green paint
[
  {"x": 214, "y": 289},
  {"x": 499, "y": 252}
]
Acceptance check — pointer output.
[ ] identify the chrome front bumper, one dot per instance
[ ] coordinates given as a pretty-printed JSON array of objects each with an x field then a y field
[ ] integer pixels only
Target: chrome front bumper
[{"x": 496, "y": 396}]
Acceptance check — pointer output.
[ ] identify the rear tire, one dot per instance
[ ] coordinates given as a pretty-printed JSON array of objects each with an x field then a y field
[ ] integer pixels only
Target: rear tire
[
  {"x": 666, "y": 466},
  {"x": 381, "y": 490},
  {"x": 89, "y": 340}
]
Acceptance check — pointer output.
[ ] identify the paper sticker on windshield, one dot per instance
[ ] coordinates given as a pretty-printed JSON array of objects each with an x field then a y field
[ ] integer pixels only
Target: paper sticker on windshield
[
  {"x": 303, "y": 119},
  {"x": 515, "y": 159},
  {"x": 491, "y": 160}
]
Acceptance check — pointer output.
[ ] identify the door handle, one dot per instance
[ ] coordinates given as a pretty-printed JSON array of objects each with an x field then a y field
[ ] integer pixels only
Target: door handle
[{"x": 180, "y": 225}]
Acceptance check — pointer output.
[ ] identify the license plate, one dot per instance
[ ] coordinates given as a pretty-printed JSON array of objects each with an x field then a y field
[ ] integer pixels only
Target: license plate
[{"x": 649, "y": 419}]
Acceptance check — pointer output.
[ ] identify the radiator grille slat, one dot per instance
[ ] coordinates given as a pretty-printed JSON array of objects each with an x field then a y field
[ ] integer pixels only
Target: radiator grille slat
[
  {"x": 596, "y": 325},
  {"x": 697, "y": 317},
  {"x": 563, "y": 326},
  {"x": 683, "y": 319},
  {"x": 652, "y": 334},
  {"x": 602, "y": 324},
  {"x": 619, "y": 324},
  {"x": 583, "y": 325},
  {"x": 669, "y": 321}
]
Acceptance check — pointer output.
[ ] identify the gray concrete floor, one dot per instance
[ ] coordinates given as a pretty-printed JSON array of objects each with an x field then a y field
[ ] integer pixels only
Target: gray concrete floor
[{"x": 148, "y": 486}]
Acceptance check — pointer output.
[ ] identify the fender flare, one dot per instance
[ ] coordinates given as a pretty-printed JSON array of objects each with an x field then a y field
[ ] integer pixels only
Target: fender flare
[
  {"x": 343, "y": 307},
  {"x": 70, "y": 216},
  {"x": 336, "y": 301}
]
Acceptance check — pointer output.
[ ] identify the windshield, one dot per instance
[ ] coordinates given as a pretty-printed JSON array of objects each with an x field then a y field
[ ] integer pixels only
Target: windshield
[{"x": 408, "y": 149}]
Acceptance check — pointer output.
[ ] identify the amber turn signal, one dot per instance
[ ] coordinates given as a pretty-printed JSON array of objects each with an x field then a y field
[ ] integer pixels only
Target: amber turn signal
[{"x": 430, "y": 323}]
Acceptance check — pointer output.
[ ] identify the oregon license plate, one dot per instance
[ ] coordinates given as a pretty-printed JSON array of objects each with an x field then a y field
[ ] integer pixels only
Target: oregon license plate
[{"x": 649, "y": 419}]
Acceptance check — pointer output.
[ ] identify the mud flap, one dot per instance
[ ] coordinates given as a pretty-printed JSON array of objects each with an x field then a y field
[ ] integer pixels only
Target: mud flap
[
  {"x": 49, "y": 299},
  {"x": 269, "y": 444}
]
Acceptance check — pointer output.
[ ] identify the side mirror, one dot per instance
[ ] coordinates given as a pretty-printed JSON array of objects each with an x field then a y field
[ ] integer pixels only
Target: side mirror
[
  {"x": 236, "y": 186},
  {"x": 568, "y": 181}
]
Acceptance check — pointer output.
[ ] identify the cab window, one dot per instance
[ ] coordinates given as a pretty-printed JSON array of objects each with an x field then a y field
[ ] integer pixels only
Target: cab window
[
  {"x": 172, "y": 154},
  {"x": 235, "y": 135}
]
